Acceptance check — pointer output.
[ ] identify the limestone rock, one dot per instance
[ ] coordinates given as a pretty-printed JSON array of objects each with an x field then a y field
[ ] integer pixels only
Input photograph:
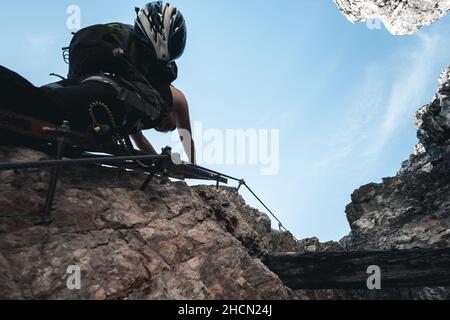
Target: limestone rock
[
  {"x": 170, "y": 242},
  {"x": 400, "y": 17}
]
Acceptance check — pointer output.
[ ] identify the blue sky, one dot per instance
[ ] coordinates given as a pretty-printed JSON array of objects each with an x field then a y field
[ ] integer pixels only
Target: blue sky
[{"x": 343, "y": 96}]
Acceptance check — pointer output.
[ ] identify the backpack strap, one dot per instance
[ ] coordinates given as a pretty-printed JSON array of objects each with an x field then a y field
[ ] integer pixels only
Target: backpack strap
[{"x": 129, "y": 96}]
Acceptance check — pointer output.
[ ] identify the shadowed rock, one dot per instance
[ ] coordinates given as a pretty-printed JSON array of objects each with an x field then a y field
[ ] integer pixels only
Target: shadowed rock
[{"x": 171, "y": 242}]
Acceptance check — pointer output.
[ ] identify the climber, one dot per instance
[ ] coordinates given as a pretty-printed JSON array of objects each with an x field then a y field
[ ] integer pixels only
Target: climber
[{"x": 120, "y": 77}]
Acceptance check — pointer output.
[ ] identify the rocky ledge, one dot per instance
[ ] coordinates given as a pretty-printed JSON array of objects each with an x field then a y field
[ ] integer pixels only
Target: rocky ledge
[
  {"x": 412, "y": 209},
  {"x": 171, "y": 242}
]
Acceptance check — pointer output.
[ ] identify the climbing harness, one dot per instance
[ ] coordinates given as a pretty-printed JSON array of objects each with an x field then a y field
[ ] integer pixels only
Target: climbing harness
[{"x": 118, "y": 137}]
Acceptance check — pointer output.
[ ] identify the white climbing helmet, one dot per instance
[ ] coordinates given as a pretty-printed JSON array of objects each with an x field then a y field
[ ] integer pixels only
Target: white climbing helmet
[{"x": 163, "y": 27}]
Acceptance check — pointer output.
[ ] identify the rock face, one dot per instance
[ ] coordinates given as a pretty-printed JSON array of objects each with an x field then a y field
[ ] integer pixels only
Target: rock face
[
  {"x": 171, "y": 242},
  {"x": 413, "y": 208},
  {"x": 177, "y": 242},
  {"x": 180, "y": 242},
  {"x": 400, "y": 17},
  {"x": 433, "y": 126}
]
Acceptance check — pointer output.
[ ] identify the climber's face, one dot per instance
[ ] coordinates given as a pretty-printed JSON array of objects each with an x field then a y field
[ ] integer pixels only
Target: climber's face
[{"x": 167, "y": 124}]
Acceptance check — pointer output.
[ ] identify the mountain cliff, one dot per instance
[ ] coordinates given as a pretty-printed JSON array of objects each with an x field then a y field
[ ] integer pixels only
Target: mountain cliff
[
  {"x": 413, "y": 208},
  {"x": 179, "y": 242},
  {"x": 170, "y": 242}
]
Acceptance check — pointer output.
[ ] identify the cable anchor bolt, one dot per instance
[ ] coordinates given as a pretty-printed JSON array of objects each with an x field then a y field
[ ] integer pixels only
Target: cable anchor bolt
[{"x": 241, "y": 183}]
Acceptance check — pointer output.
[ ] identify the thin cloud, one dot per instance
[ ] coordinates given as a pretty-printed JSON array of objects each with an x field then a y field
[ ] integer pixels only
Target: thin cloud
[
  {"x": 40, "y": 43},
  {"x": 335, "y": 156},
  {"x": 408, "y": 91},
  {"x": 358, "y": 117},
  {"x": 382, "y": 106}
]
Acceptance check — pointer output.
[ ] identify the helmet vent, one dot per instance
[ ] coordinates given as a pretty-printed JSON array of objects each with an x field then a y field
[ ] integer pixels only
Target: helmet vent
[{"x": 163, "y": 28}]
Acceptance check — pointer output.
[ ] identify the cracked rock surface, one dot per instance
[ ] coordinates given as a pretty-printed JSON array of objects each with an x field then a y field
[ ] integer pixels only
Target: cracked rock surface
[
  {"x": 170, "y": 242},
  {"x": 399, "y": 16},
  {"x": 412, "y": 209}
]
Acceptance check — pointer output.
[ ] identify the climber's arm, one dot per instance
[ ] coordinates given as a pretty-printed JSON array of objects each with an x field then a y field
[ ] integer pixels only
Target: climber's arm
[
  {"x": 183, "y": 121},
  {"x": 143, "y": 144}
]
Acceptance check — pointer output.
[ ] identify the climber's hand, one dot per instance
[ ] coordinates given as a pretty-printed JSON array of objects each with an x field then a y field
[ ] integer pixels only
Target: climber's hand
[{"x": 143, "y": 144}]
